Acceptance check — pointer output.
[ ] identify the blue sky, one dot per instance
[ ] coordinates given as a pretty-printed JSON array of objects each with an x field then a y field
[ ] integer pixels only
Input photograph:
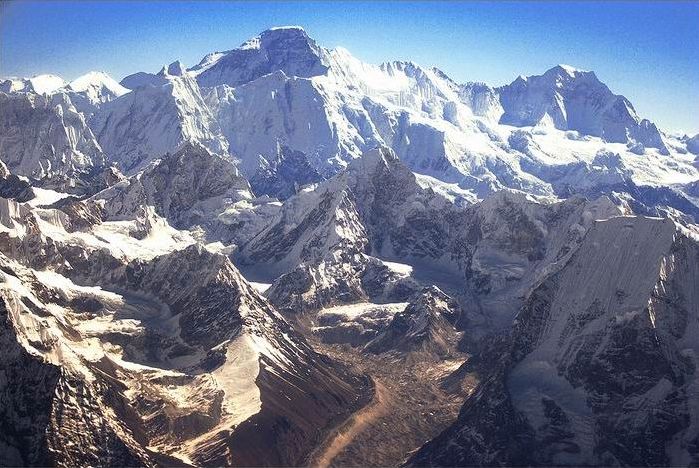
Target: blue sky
[{"x": 648, "y": 52}]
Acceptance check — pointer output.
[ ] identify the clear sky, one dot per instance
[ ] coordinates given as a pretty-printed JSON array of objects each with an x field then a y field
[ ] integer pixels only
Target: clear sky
[{"x": 648, "y": 52}]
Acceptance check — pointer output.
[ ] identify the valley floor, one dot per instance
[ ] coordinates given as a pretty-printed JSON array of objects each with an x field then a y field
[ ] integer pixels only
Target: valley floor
[{"x": 409, "y": 407}]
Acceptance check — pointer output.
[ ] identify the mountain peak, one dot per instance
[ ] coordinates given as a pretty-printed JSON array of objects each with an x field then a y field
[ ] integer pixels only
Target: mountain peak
[
  {"x": 567, "y": 69},
  {"x": 566, "y": 73},
  {"x": 176, "y": 68},
  {"x": 287, "y": 35},
  {"x": 96, "y": 79},
  {"x": 288, "y": 49},
  {"x": 284, "y": 36},
  {"x": 40, "y": 84},
  {"x": 293, "y": 29},
  {"x": 47, "y": 83},
  {"x": 574, "y": 99}
]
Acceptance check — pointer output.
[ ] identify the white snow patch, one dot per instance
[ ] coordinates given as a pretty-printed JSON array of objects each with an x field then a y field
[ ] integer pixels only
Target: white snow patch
[
  {"x": 260, "y": 287},
  {"x": 400, "y": 268},
  {"x": 46, "y": 197},
  {"x": 237, "y": 379}
]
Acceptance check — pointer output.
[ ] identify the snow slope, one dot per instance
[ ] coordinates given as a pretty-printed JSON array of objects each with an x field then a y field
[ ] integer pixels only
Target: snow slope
[
  {"x": 45, "y": 137},
  {"x": 156, "y": 119}
]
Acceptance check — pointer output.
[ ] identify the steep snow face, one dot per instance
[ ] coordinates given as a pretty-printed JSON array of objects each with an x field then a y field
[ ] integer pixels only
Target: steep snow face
[
  {"x": 693, "y": 144},
  {"x": 288, "y": 49},
  {"x": 45, "y": 137},
  {"x": 156, "y": 119},
  {"x": 89, "y": 91},
  {"x": 571, "y": 99},
  {"x": 599, "y": 361},
  {"x": 279, "y": 110},
  {"x": 284, "y": 175},
  {"x": 598, "y": 301},
  {"x": 483, "y": 100},
  {"x": 308, "y": 227}
]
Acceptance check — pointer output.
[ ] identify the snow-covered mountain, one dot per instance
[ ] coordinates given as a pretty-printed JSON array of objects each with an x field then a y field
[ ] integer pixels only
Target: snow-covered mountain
[
  {"x": 39, "y": 84},
  {"x": 44, "y": 137},
  {"x": 572, "y": 99},
  {"x": 333, "y": 108},
  {"x": 148, "y": 350},
  {"x": 89, "y": 91},
  {"x": 286, "y": 49},
  {"x": 341, "y": 233},
  {"x": 542, "y": 135},
  {"x": 527, "y": 253},
  {"x": 156, "y": 118}
]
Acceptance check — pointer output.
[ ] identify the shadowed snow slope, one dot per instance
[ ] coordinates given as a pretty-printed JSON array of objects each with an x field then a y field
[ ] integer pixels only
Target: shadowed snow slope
[{"x": 45, "y": 137}]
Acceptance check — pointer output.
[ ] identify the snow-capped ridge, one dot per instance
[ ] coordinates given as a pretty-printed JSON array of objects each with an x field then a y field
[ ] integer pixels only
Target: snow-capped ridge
[
  {"x": 40, "y": 84},
  {"x": 567, "y": 98},
  {"x": 155, "y": 118},
  {"x": 99, "y": 80},
  {"x": 568, "y": 69}
]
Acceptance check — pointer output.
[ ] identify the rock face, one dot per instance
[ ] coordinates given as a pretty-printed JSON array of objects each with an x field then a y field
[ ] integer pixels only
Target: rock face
[
  {"x": 426, "y": 326},
  {"x": 11, "y": 186},
  {"x": 283, "y": 176},
  {"x": 187, "y": 188},
  {"x": 600, "y": 360},
  {"x": 287, "y": 49},
  {"x": 320, "y": 239}
]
